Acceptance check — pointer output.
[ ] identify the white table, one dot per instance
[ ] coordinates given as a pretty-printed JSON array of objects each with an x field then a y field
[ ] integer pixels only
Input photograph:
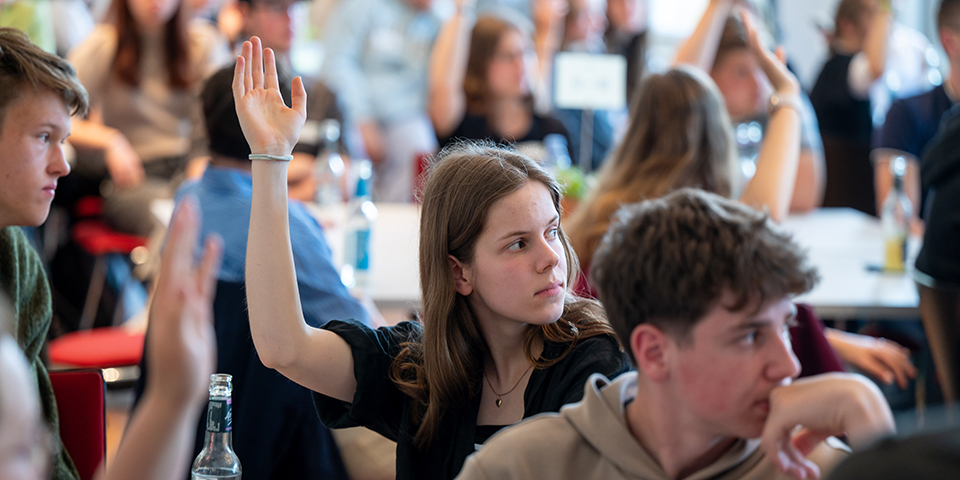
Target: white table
[
  {"x": 847, "y": 247},
  {"x": 394, "y": 265},
  {"x": 842, "y": 243}
]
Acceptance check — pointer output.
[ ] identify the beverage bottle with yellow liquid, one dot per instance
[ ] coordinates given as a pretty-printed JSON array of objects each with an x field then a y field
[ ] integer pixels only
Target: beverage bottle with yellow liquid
[{"x": 895, "y": 219}]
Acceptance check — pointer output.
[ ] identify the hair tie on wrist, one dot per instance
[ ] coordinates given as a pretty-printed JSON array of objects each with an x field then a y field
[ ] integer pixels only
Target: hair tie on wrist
[{"x": 276, "y": 158}]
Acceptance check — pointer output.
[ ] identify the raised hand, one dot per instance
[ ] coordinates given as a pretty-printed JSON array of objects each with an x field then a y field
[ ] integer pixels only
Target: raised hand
[
  {"x": 182, "y": 344},
  {"x": 782, "y": 81},
  {"x": 269, "y": 126}
]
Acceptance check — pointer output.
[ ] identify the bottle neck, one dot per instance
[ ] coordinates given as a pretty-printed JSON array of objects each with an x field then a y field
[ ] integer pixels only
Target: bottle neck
[
  {"x": 898, "y": 183},
  {"x": 219, "y": 424}
]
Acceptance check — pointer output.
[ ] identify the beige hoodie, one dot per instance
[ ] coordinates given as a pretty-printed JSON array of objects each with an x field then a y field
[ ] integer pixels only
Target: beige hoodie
[{"x": 590, "y": 440}]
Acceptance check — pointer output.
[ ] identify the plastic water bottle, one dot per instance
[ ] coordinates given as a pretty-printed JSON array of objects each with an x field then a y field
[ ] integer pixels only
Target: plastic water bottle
[
  {"x": 329, "y": 167},
  {"x": 217, "y": 460},
  {"x": 895, "y": 219},
  {"x": 558, "y": 157},
  {"x": 361, "y": 214}
]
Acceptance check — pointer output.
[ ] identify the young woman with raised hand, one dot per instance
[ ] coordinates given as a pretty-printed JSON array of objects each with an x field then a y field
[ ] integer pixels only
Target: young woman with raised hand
[
  {"x": 500, "y": 339},
  {"x": 480, "y": 86}
]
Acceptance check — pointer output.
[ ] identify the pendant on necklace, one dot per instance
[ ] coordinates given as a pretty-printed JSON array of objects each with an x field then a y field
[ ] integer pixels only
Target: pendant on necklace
[{"x": 499, "y": 402}]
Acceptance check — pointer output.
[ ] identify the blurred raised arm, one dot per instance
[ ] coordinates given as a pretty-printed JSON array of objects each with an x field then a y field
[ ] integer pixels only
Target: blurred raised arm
[
  {"x": 700, "y": 49},
  {"x": 182, "y": 355},
  {"x": 447, "y": 103},
  {"x": 772, "y": 185},
  {"x": 317, "y": 359}
]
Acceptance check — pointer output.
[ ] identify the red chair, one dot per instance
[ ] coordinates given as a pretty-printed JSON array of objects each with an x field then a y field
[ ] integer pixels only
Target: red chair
[
  {"x": 97, "y": 239},
  {"x": 81, "y": 408},
  {"x": 113, "y": 349}
]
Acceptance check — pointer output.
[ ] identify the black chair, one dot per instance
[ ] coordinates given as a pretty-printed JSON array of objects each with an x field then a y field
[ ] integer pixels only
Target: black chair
[{"x": 276, "y": 431}]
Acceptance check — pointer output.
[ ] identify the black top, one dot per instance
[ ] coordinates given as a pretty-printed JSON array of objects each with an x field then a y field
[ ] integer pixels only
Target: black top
[
  {"x": 840, "y": 114},
  {"x": 940, "y": 177},
  {"x": 476, "y": 127},
  {"x": 379, "y": 405},
  {"x": 846, "y": 126},
  {"x": 911, "y": 124}
]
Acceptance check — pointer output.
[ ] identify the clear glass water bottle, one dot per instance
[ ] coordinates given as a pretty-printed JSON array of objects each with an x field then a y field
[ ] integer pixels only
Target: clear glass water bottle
[
  {"x": 217, "y": 460},
  {"x": 361, "y": 213},
  {"x": 329, "y": 166},
  {"x": 895, "y": 219}
]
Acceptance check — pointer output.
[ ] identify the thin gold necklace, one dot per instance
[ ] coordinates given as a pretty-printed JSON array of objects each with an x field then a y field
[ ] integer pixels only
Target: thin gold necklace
[{"x": 508, "y": 392}]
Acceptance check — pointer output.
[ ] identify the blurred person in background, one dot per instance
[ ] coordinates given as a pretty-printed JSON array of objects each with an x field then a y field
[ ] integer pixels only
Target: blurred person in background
[
  {"x": 841, "y": 98},
  {"x": 912, "y": 122},
  {"x": 583, "y": 30},
  {"x": 377, "y": 62},
  {"x": 482, "y": 80},
  {"x": 626, "y": 35},
  {"x": 651, "y": 161},
  {"x": 719, "y": 47},
  {"x": 143, "y": 71}
]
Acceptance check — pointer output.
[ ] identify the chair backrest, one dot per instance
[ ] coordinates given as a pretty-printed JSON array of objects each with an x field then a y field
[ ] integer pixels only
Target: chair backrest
[{"x": 80, "y": 405}]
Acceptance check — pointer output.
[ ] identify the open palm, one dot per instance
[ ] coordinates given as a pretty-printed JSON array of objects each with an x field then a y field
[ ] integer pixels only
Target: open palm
[{"x": 269, "y": 126}]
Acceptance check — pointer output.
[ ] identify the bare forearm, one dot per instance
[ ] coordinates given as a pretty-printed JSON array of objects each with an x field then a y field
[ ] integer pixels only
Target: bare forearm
[
  {"x": 448, "y": 66},
  {"x": 772, "y": 186},
  {"x": 157, "y": 442},
  {"x": 92, "y": 135},
  {"x": 875, "y": 45},
  {"x": 869, "y": 416},
  {"x": 276, "y": 321},
  {"x": 700, "y": 49},
  {"x": 809, "y": 187}
]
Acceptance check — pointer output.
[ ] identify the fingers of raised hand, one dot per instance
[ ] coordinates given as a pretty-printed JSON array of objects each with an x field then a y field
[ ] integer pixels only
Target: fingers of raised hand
[
  {"x": 247, "y": 52},
  {"x": 177, "y": 257},
  {"x": 257, "y": 63},
  {"x": 209, "y": 268},
  {"x": 299, "y": 97},
  {"x": 271, "y": 82},
  {"x": 239, "y": 87}
]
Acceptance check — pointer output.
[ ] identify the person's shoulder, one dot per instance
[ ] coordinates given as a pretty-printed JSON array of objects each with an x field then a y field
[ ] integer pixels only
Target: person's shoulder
[
  {"x": 98, "y": 47},
  {"x": 15, "y": 246}
]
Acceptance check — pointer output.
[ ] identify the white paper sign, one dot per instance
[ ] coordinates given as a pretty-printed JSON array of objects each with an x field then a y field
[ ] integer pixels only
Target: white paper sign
[{"x": 588, "y": 81}]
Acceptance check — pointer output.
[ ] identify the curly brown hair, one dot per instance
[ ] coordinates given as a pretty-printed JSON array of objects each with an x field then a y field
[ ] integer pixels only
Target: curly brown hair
[{"x": 668, "y": 261}]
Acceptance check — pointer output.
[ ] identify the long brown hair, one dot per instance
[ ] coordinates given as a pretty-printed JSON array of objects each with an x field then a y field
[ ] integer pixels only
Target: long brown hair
[
  {"x": 443, "y": 367},
  {"x": 679, "y": 135},
  {"x": 176, "y": 48},
  {"x": 484, "y": 40}
]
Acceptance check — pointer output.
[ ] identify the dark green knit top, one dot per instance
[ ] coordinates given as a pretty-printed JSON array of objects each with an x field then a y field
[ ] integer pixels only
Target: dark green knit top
[{"x": 23, "y": 280}]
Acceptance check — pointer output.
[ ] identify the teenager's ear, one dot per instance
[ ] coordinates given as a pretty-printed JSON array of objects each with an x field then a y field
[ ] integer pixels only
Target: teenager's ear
[
  {"x": 460, "y": 280},
  {"x": 649, "y": 346}
]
